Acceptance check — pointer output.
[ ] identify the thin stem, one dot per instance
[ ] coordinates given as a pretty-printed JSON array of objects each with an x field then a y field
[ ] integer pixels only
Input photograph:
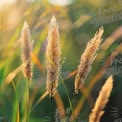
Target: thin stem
[
  {"x": 73, "y": 100},
  {"x": 28, "y": 105},
  {"x": 70, "y": 103},
  {"x": 16, "y": 106},
  {"x": 50, "y": 108},
  {"x": 25, "y": 102}
]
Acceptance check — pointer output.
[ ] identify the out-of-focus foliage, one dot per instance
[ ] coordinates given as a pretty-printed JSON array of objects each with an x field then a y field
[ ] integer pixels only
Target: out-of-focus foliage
[{"x": 76, "y": 23}]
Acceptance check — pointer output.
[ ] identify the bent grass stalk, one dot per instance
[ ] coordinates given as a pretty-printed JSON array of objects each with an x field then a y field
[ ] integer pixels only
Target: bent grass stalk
[{"x": 9, "y": 78}]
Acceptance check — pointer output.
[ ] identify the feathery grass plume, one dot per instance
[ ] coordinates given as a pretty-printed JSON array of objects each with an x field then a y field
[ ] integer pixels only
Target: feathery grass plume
[
  {"x": 53, "y": 53},
  {"x": 101, "y": 101},
  {"x": 26, "y": 47},
  {"x": 87, "y": 58}
]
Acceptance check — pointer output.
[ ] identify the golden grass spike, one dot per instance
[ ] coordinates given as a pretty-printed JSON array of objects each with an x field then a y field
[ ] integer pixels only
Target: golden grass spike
[
  {"x": 87, "y": 59},
  {"x": 101, "y": 101},
  {"x": 26, "y": 47},
  {"x": 53, "y": 53}
]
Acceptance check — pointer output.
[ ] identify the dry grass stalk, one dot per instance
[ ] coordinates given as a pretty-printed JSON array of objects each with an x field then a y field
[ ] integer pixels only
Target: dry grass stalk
[
  {"x": 26, "y": 47},
  {"x": 87, "y": 59},
  {"x": 53, "y": 54},
  {"x": 101, "y": 101}
]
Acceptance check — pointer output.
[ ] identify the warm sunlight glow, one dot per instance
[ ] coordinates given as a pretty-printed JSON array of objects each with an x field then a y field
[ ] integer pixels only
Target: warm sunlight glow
[
  {"x": 61, "y": 2},
  {"x": 6, "y": 1}
]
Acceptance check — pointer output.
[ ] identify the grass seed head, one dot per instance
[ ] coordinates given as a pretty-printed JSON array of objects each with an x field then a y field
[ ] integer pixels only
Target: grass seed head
[
  {"x": 53, "y": 53},
  {"x": 101, "y": 101},
  {"x": 87, "y": 59},
  {"x": 26, "y": 48}
]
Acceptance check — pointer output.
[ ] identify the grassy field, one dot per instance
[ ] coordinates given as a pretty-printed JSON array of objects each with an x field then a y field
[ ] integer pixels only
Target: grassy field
[{"x": 26, "y": 97}]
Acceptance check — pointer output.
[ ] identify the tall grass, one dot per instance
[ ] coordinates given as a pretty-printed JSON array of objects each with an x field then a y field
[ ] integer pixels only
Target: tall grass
[
  {"x": 26, "y": 91},
  {"x": 53, "y": 66}
]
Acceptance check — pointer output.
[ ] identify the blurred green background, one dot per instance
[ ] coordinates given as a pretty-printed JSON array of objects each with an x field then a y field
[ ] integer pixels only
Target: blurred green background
[{"x": 78, "y": 22}]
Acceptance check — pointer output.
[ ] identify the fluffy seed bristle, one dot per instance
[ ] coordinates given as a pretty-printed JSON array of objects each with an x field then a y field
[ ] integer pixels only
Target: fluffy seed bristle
[
  {"x": 53, "y": 53},
  {"x": 87, "y": 58},
  {"x": 101, "y": 101},
  {"x": 26, "y": 47}
]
